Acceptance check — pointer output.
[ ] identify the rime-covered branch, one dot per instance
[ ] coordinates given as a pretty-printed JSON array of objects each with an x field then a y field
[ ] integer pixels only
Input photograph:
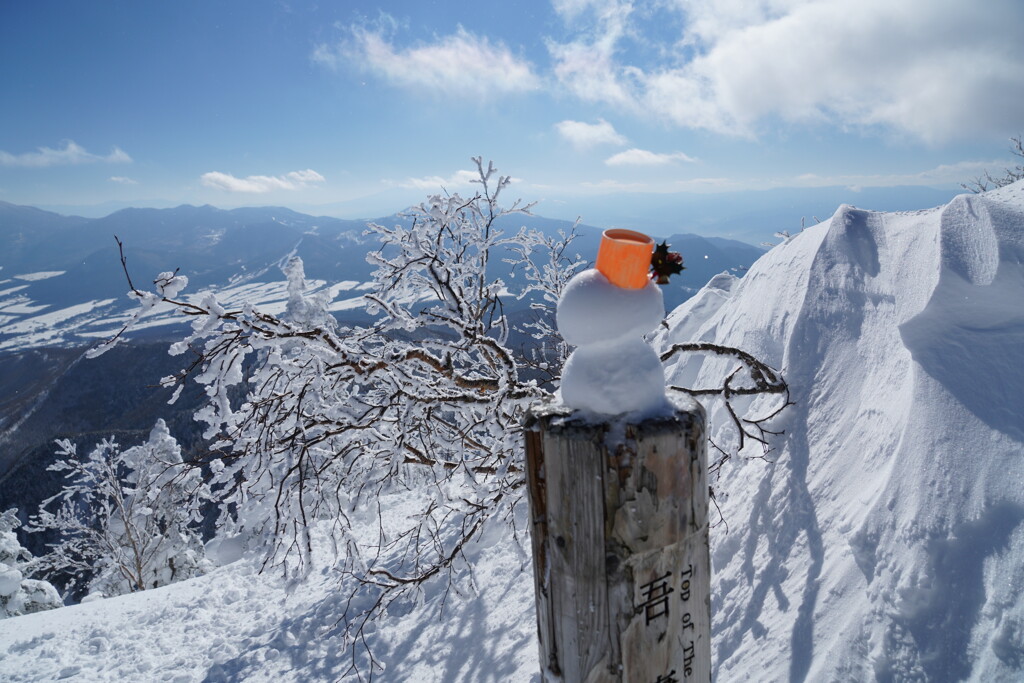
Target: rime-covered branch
[{"x": 757, "y": 379}]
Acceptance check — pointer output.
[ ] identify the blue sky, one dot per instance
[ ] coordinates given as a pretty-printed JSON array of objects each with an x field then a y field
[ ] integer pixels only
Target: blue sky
[{"x": 319, "y": 103}]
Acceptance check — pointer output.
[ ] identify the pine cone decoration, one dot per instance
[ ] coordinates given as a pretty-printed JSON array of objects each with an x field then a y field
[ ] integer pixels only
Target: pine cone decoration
[{"x": 665, "y": 263}]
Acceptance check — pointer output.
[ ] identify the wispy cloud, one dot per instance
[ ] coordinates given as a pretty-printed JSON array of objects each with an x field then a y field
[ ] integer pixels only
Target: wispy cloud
[
  {"x": 949, "y": 70},
  {"x": 461, "y": 64},
  {"x": 258, "y": 184},
  {"x": 589, "y": 72},
  {"x": 71, "y": 154},
  {"x": 943, "y": 174},
  {"x": 123, "y": 180},
  {"x": 459, "y": 179},
  {"x": 643, "y": 157},
  {"x": 587, "y": 66},
  {"x": 586, "y": 135}
]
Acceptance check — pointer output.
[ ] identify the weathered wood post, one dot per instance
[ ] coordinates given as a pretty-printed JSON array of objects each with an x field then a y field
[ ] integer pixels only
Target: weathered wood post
[{"x": 620, "y": 545}]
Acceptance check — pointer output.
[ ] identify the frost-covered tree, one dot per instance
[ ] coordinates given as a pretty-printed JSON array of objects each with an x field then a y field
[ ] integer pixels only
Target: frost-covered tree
[
  {"x": 428, "y": 399},
  {"x": 18, "y": 594},
  {"x": 430, "y": 395},
  {"x": 307, "y": 311},
  {"x": 127, "y": 519},
  {"x": 987, "y": 181}
]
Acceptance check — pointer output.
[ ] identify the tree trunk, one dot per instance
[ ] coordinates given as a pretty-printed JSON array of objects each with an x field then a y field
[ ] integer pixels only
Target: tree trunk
[{"x": 620, "y": 546}]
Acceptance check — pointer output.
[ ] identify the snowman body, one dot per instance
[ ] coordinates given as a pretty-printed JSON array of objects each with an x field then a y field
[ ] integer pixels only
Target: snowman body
[{"x": 612, "y": 370}]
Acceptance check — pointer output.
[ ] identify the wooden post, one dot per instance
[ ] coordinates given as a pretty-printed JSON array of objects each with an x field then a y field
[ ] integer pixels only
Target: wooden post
[{"x": 620, "y": 546}]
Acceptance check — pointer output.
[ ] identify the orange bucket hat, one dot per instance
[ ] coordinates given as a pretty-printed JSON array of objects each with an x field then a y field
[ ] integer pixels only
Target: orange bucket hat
[{"x": 624, "y": 257}]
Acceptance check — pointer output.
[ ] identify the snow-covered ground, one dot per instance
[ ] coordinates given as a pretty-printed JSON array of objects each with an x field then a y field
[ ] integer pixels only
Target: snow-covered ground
[
  {"x": 882, "y": 541},
  {"x": 41, "y": 275},
  {"x": 237, "y": 624},
  {"x": 26, "y": 324}
]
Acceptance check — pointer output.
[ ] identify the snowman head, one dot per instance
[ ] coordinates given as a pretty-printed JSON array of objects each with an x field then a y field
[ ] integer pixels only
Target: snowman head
[{"x": 593, "y": 311}]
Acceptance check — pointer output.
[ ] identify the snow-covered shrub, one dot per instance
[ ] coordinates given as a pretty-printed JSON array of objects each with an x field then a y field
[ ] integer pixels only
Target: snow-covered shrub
[
  {"x": 20, "y": 595},
  {"x": 127, "y": 519}
]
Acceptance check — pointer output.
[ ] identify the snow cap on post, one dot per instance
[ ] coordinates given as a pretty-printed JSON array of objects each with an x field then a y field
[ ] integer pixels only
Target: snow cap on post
[{"x": 624, "y": 257}]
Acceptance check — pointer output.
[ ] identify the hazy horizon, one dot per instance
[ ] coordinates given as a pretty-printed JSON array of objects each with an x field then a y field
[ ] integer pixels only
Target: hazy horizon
[{"x": 748, "y": 216}]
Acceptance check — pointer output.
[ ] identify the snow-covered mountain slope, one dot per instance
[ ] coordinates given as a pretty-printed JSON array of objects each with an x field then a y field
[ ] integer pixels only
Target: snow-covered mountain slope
[{"x": 882, "y": 542}]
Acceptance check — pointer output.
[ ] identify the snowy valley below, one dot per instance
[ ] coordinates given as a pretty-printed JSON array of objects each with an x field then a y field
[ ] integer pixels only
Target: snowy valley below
[{"x": 880, "y": 538}]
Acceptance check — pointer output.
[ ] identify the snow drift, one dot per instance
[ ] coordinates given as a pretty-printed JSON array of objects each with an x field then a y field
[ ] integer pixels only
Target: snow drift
[{"x": 883, "y": 540}]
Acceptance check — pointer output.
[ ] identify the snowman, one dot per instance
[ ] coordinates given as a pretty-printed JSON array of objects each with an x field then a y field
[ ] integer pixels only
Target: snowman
[{"x": 605, "y": 312}]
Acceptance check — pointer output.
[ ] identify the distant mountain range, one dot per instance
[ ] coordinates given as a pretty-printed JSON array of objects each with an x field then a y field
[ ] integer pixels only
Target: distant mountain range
[
  {"x": 746, "y": 215},
  {"x": 61, "y": 281}
]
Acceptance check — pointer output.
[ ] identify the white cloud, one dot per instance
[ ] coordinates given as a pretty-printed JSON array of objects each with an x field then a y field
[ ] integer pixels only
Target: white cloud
[
  {"x": 71, "y": 154},
  {"x": 587, "y": 66},
  {"x": 461, "y": 64},
  {"x": 642, "y": 157},
  {"x": 586, "y": 135},
  {"x": 296, "y": 180},
  {"x": 459, "y": 179},
  {"x": 305, "y": 177},
  {"x": 931, "y": 69},
  {"x": 123, "y": 180},
  {"x": 590, "y": 73},
  {"x": 708, "y": 21},
  {"x": 959, "y": 172}
]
